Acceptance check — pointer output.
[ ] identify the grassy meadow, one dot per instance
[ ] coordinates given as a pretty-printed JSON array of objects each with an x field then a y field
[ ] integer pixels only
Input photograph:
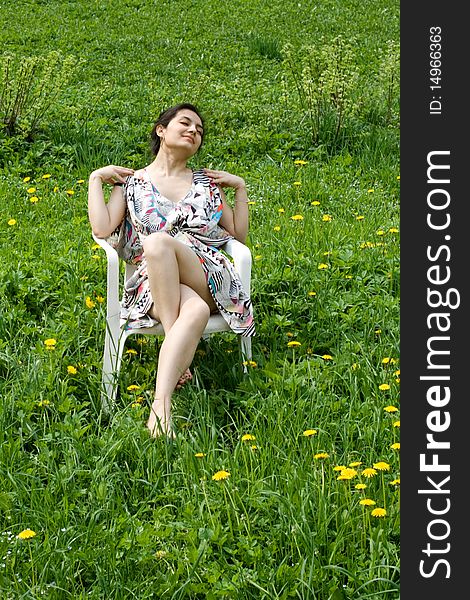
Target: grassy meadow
[{"x": 282, "y": 482}]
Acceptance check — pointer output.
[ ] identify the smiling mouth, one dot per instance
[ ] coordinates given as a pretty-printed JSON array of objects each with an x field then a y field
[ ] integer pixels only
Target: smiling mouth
[{"x": 187, "y": 137}]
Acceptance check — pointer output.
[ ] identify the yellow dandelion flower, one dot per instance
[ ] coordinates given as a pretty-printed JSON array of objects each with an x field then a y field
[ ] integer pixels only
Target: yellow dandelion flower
[
  {"x": 385, "y": 360},
  {"x": 31, "y": 190},
  {"x": 248, "y": 437},
  {"x": 369, "y": 472},
  {"x": 395, "y": 446},
  {"x": 379, "y": 512},
  {"x": 397, "y": 372},
  {"x": 380, "y": 232},
  {"x": 34, "y": 199},
  {"x": 69, "y": 192},
  {"x": 220, "y": 475},
  {"x": 384, "y": 386},
  {"x": 395, "y": 482},
  {"x": 89, "y": 302},
  {"x": 44, "y": 403},
  {"x": 26, "y": 534},
  {"x": 258, "y": 257},
  {"x": 322, "y": 266},
  {"x": 356, "y": 463},
  {"x": 339, "y": 468},
  {"x": 199, "y": 455},
  {"x": 378, "y": 331},
  {"x": 381, "y": 466},
  {"x": 309, "y": 432},
  {"x": 281, "y": 210},
  {"x": 367, "y": 502},
  {"x": 248, "y": 363},
  {"x": 131, "y": 351},
  {"x": 46, "y": 176},
  {"x": 50, "y": 343},
  {"x": 293, "y": 343},
  {"x": 300, "y": 162},
  {"x": 12, "y": 222},
  {"x": 26, "y": 179},
  {"x": 254, "y": 447},
  {"x": 359, "y": 217},
  {"x": 390, "y": 409},
  {"x": 315, "y": 203},
  {"x": 393, "y": 230},
  {"x": 327, "y": 357},
  {"x": 96, "y": 257},
  {"x": 100, "y": 299},
  {"x": 348, "y": 473},
  {"x": 297, "y": 183},
  {"x": 312, "y": 294},
  {"x": 72, "y": 370},
  {"x": 251, "y": 202},
  {"x": 396, "y": 424},
  {"x": 354, "y": 366},
  {"x": 326, "y": 218},
  {"x": 133, "y": 387},
  {"x": 297, "y": 218},
  {"x": 370, "y": 191},
  {"x": 56, "y": 188},
  {"x": 360, "y": 486},
  {"x": 80, "y": 181},
  {"x": 320, "y": 455},
  {"x": 276, "y": 228}
]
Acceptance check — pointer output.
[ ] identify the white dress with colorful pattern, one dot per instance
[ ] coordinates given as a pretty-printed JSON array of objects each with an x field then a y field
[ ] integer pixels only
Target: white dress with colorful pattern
[{"x": 192, "y": 221}]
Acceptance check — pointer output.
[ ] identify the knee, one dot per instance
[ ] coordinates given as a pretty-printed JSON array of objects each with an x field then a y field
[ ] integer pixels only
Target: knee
[
  {"x": 158, "y": 244},
  {"x": 197, "y": 311}
]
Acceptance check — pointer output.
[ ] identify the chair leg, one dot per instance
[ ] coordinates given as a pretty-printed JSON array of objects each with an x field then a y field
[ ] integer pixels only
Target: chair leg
[
  {"x": 245, "y": 347},
  {"x": 113, "y": 350}
]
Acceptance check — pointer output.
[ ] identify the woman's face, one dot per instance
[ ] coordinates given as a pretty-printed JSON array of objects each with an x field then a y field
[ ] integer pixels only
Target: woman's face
[{"x": 183, "y": 132}]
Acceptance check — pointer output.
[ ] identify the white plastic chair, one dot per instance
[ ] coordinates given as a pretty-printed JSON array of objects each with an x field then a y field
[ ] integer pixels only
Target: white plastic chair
[{"x": 117, "y": 334}]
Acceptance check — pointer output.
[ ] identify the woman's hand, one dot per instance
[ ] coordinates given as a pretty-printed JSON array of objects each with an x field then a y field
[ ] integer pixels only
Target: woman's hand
[
  {"x": 225, "y": 179},
  {"x": 112, "y": 174}
]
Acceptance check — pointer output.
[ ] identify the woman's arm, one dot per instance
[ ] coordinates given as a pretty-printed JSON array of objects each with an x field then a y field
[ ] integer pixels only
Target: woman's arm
[
  {"x": 105, "y": 217},
  {"x": 235, "y": 220}
]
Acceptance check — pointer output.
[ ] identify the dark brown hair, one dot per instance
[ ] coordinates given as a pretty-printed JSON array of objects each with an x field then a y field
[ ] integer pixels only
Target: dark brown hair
[{"x": 165, "y": 117}]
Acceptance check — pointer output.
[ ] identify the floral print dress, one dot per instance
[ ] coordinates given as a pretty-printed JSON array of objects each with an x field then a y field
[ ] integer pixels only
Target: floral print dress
[{"x": 193, "y": 221}]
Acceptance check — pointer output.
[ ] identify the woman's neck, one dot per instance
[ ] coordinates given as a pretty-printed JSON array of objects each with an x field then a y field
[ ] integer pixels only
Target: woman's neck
[{"x": 168, "y": 165}]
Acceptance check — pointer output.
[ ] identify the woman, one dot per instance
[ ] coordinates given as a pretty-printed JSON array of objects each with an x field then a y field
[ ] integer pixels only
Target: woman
[{"x": 176, "y": 219}]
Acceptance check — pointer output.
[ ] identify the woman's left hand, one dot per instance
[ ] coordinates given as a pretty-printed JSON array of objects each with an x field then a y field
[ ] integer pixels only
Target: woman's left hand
[{"x": 225, "y": 179}]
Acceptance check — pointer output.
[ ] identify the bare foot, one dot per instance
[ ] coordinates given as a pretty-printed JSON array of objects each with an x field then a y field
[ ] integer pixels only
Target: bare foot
[
  {"x": 158, "y": 425},
  {"x": 185, "y": 377}
]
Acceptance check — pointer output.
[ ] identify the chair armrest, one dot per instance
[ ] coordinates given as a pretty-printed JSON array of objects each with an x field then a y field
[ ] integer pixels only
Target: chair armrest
[
  {"x": 113, "y": 306},
  {"x": 241, "y": 255}
]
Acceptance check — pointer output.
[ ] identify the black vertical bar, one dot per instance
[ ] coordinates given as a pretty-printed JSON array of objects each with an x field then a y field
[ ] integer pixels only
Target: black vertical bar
[{"x": 435, "y": 264}]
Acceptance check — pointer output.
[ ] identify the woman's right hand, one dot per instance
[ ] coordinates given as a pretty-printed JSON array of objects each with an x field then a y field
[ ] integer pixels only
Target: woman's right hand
[{"x": 112, "y": 174}]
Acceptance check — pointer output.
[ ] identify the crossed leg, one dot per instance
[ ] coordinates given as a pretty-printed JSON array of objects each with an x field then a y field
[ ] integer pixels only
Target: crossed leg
[{"x": 182, "y": 303}]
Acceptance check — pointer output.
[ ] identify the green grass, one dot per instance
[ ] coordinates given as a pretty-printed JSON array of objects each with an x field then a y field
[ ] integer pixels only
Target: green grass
[{"x": 119, "y": 515}]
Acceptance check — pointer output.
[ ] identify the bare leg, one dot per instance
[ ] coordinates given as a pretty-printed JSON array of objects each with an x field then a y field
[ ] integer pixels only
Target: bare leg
[
  {"x": 176, "y": 354},
  {"x": 182, "y": 303}
]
